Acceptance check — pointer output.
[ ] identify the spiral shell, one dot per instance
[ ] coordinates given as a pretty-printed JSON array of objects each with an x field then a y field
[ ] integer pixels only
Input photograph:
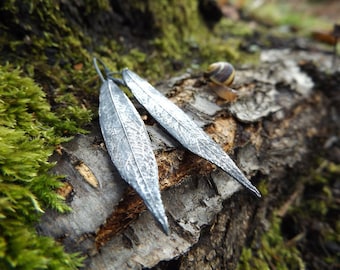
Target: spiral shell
[
  {"x": 220, "y": 76},
  {"x": 220, "y": 73}
]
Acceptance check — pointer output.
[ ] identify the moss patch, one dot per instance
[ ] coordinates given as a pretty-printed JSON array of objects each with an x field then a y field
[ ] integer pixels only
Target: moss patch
[
  {"x": 28, "y": 132},
  {"x": 307, "y": 236},
  {"x": 317, "y": 218},
  {"x": 271, "y": 252}
]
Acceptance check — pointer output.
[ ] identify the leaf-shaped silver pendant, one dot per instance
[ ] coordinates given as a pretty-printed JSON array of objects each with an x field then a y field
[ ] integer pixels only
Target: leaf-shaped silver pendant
[
  {"x": 129, "y": 147},
  {"x": 181, "y": 127}
]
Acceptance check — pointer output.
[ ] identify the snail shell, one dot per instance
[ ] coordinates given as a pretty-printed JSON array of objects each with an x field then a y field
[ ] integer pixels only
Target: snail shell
[
  {"x": 220, "y": 73},
  {"x": 220, "y": 76}
]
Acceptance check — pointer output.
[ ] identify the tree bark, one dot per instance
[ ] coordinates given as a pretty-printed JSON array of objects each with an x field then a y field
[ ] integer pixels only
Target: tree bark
[{"x": 271, "y": 131}]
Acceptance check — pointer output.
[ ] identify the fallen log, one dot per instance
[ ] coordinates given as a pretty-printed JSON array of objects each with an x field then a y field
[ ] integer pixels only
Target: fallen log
[{"x": 269, "y": 131}]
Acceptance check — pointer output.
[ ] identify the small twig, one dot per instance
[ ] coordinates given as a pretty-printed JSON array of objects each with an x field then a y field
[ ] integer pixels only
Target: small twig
[
  {"x": 336, "y": 34},
  {"x": 284, "y": 208}
]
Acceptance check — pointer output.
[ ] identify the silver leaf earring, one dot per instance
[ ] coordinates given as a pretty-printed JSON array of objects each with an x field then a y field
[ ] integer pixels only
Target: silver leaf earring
[
  {"x": 129, "y": 145},
  {"x": 181, "y": 127}
]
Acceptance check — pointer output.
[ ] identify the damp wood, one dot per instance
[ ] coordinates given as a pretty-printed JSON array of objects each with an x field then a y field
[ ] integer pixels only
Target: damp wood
[{"x": 270, "y": 133}]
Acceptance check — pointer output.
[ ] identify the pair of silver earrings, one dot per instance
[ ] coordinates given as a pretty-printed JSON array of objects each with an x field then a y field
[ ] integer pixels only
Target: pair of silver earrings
[{"x": 129, "y": 145}]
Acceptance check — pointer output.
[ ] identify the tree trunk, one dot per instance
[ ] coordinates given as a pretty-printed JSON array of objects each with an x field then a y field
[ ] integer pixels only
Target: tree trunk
[{"x": 271, "y": 131}]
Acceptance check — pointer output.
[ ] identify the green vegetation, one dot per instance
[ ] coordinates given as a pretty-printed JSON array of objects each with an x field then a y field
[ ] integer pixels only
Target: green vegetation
[
  {"x": 282, "y": 247},
  {"x": 271, "y": 252},
  {"x": 28, "y": 132},
  {"x": 282, "y": 13},
  {"x": 181, "y": 40}
]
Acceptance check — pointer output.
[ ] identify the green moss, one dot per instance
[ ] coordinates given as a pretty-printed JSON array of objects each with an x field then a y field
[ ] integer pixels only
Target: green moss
[
  {"x": 91, "y": 6},
  {"x": 28, "y": 132},
  {"x": 193, "y": 43},
  {"x": 281, "y": 250},
  {"x": 182, "y": 40},
  {"x": 319, "y": 206},
  {"x": 233, "y": 28},
  {"x": 170, "y": 17},
  {"x": 262, "y": 186},
  {"x": 271, "y": 252}
]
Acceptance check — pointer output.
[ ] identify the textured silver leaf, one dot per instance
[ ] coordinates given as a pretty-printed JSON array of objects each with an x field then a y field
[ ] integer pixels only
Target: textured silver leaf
[
  {"x": 129, "y": 147},
  {"x": 181, "y": 127}
]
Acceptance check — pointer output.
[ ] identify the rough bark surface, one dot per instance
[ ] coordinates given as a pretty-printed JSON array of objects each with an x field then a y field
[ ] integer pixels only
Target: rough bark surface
[{"x": 270, "y": 132}]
